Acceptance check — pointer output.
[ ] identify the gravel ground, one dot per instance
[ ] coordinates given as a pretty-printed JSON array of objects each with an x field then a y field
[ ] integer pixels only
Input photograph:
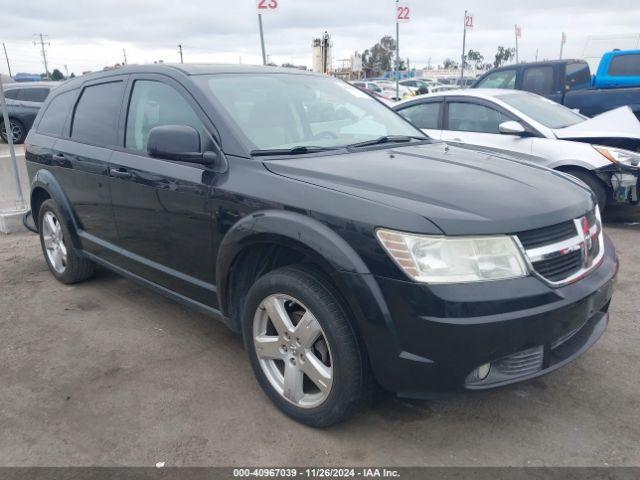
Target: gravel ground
[{"x": 108, "y": 373}]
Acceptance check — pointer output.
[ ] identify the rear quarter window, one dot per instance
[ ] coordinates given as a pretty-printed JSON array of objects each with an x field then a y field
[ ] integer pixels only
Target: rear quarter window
[
  {"x": 625, "y": 66},
  {"x": 56, "y": 114},
  {"x": 538, "y": 80},
  {"x": 95, "y": 119},
  {"x": 12, "y": 94},
  {"x": 38, "y": 95}
]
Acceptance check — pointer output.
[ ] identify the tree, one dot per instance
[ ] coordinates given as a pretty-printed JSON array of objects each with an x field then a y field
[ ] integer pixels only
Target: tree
[
  {"x": 73, "y": 75},
  {"x": 57, "y": 75},
  {"x": 380, "y": 58},
  {"x": 475, "y": 58},
  {"x": 449, "y": 64},
  {"x": 503, "y": 55}
]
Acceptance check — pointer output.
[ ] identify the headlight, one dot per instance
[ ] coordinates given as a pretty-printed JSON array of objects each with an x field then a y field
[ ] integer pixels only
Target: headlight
[
  {"x": 440, "y": 259},
  {"x": 618, "y": 155}
]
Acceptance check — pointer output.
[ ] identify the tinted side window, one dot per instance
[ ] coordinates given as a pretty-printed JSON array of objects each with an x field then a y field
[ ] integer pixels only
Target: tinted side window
[
  {"x": 34, "y": 94},
  {"x": 424, "y": 115},
  {"x": 95, "y": 119},
  {"x": 154, "y": 104},
  {"x": 470, "y": 117},
  {"x": 625, "y": 66},
  {"x": 12, "y": 94},
  {"x": 577, "y": 76},
  {"x": 501, "y": 79},
  {"x": 56, "y": 114},
  {"x": 538, "y": 80}
]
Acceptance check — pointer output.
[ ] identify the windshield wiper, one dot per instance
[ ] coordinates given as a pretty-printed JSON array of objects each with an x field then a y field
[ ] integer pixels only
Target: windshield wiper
[
  {"x": 297, "y": 150},
  {"x": 387, "y": 139}
]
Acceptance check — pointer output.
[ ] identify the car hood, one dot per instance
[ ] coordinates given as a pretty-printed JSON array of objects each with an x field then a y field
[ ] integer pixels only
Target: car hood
[
  {"x": 618, "y": 123},
  {"x": 462, "y": 191}
]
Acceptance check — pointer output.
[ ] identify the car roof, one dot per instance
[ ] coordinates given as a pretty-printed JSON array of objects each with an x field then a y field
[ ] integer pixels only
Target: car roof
[
  {"x": 11, "y": 86},
  {"x": 485, "y": 93}
]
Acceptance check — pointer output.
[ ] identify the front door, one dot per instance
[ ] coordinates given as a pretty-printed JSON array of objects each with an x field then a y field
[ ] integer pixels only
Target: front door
[
  {"x": 162, "y": 208},
  {"x": 477, "y": 125}
]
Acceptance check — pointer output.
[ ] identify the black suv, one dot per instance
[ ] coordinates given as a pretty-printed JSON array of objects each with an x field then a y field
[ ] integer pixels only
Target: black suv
[
  {"x": 342, "y": 243},
  {"x": 23, "y": 104}
]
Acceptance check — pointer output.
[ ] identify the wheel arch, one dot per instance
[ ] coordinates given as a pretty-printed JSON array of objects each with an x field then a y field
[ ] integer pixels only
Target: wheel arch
[{"x": 45, "y": 186}]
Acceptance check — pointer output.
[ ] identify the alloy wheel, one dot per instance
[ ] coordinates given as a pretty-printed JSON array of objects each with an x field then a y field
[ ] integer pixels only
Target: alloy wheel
[
  {"x": 14, "y": 128},
  {"x": 293, "y": 350},
  {"x": 54, "y": 242}
]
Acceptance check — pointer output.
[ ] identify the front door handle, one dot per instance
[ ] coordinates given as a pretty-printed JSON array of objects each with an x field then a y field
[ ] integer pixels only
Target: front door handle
[{"x": 120, "y": 173}]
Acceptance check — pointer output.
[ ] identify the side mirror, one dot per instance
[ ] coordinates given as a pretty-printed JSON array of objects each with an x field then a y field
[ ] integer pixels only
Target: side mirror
[
  {"x": 511, "y": 128},
  {"x": 175, "y": 142}
]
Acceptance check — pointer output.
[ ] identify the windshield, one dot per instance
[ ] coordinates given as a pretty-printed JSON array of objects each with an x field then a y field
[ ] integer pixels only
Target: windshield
[
  {"x": 544, "y": 111},
  {"x": 283, "y": 111}
]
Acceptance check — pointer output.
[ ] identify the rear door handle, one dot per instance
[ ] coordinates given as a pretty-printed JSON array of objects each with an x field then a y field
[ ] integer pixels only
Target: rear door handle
[{"x": 120, "y": 173}]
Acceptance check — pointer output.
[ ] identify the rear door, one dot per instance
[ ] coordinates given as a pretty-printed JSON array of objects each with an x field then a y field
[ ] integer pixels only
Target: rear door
[
  {"x": 426, "y": 115},
  {"x": 476, "y": 122},
  {"x": 543, "y": 80},
  {"x": 81, "y": 160},
  {"x": 162, "y": 207}
]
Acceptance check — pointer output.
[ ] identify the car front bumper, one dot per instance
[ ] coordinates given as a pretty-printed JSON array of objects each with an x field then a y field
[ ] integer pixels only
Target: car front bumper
[{"x": 440, "y": 334}]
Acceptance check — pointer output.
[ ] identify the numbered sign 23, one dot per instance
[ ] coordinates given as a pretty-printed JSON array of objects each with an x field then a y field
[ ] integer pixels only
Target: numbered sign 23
[
  {"x": 403, "y": 12},
  {"x": 267, "y": 6}
]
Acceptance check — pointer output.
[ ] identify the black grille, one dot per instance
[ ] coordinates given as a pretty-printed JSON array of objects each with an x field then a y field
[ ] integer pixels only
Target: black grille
[
  {"x": 546, "y": 235},
  {"x": 560, "y": 267}
]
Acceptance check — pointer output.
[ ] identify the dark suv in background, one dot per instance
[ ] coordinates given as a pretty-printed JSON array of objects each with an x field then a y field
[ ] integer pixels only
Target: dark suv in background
[
  {"x": 23, "y": 104},
  {"x": 344, "y": 244}
]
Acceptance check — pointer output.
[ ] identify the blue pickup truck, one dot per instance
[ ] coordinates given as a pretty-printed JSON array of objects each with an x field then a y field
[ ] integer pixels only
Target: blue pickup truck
[{"x": 569, "y": 82}]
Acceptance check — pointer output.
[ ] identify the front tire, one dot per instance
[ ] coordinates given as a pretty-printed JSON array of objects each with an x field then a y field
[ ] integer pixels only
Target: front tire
[
  {"x": 64, "y": 261},
  {"x": 302, "y": 347},
  {"x": 595, "y": 184}
]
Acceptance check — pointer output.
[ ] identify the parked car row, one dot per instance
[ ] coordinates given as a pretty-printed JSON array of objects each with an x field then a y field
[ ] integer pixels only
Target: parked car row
[
  {"x": 341, "y": 242},
  {"x": 23, "y": 103},
  {"x": 569, "y": 82}
]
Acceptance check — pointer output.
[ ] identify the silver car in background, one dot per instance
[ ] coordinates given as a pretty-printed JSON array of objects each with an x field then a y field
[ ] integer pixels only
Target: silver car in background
[{"x": 602, "y": 151}]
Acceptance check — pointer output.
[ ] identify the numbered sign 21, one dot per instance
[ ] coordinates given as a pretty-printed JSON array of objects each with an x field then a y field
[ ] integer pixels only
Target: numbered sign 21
[
  {"x": 267, "y": 6},
  {"x": 403, "y": 12},
  {"x": 468, "y": 21}
]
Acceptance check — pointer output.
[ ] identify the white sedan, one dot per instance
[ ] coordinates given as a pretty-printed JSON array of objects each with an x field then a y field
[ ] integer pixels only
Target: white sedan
[{"x": 601, "y": 151}]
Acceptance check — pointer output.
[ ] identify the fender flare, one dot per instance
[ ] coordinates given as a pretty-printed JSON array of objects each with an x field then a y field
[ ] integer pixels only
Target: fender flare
[
  {"x": 285, "y": 228},
  {"x": 45, "y": 180}
]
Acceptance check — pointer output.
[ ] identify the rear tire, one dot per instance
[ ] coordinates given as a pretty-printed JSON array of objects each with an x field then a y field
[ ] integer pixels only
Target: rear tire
[
  {"x": 18, "y": 130},
  {"x": 64, "y": 261},
  {"x": 309, "y": 363},
  {"x": 595, "y": 184}
]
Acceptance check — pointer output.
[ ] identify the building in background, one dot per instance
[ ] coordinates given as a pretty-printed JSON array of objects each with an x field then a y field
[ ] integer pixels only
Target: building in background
[
  {"x": 321, "y": 54},
  {"x": 350, "y": 68}
]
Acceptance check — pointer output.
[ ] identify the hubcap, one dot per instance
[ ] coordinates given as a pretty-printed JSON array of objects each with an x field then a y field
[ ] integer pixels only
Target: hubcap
[
  {"x": 54, "y": 242},
  {"x": 15, "y": 129},
  {"x": 293, "y": 350}
]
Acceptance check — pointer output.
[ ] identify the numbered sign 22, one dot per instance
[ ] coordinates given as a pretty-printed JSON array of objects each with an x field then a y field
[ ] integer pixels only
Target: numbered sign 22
[
  {"x": 267, "y": 6},
  {"x": 468, "y": 21},
  {"x": 403, "y": 12}
]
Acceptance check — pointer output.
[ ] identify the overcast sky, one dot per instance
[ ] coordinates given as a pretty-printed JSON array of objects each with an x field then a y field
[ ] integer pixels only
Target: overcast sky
[{"x": 89, "y": 35}]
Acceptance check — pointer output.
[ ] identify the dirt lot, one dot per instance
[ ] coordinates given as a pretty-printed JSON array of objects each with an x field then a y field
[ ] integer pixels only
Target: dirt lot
[{"x": 108, "y": 373}]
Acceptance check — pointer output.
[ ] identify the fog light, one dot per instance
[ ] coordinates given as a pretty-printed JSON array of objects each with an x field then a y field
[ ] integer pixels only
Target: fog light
[
  {"x": 483, "y": 371},
  {"x": 479, "y": 374}
]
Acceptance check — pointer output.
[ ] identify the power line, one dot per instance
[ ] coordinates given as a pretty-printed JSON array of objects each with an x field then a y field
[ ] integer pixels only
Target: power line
[
  {"x": 44, "y": 53},
  {"x": 7, "y": 57}
]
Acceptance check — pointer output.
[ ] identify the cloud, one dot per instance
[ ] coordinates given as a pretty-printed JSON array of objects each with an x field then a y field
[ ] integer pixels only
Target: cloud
[{"x": 87, "y": 36}]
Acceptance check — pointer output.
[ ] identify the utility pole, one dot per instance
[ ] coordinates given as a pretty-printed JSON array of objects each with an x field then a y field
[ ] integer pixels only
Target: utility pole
[
  {"x": 464, "y": 46},
  {"x": 563, "y": 39},
  {"x": 397, "y": 53},
  {"x": 180, "y": 52},
  {"x": 44, "y": 53},
  {"x": 264, "y": 55},
  {"x": 124, "y": 54},
  {"x": 517, "y": 31},
  {"x": 7, "y": 57},
  {"x": 66, "y": 70}
]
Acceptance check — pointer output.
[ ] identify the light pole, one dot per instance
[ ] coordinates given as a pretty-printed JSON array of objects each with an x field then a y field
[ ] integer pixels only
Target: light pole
[
  {"x": 264, "y": 55},
  {"x": 397, "y": 53},
  {"x": 12, "y": 152},
  {"x": 464, "y": 41}
]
